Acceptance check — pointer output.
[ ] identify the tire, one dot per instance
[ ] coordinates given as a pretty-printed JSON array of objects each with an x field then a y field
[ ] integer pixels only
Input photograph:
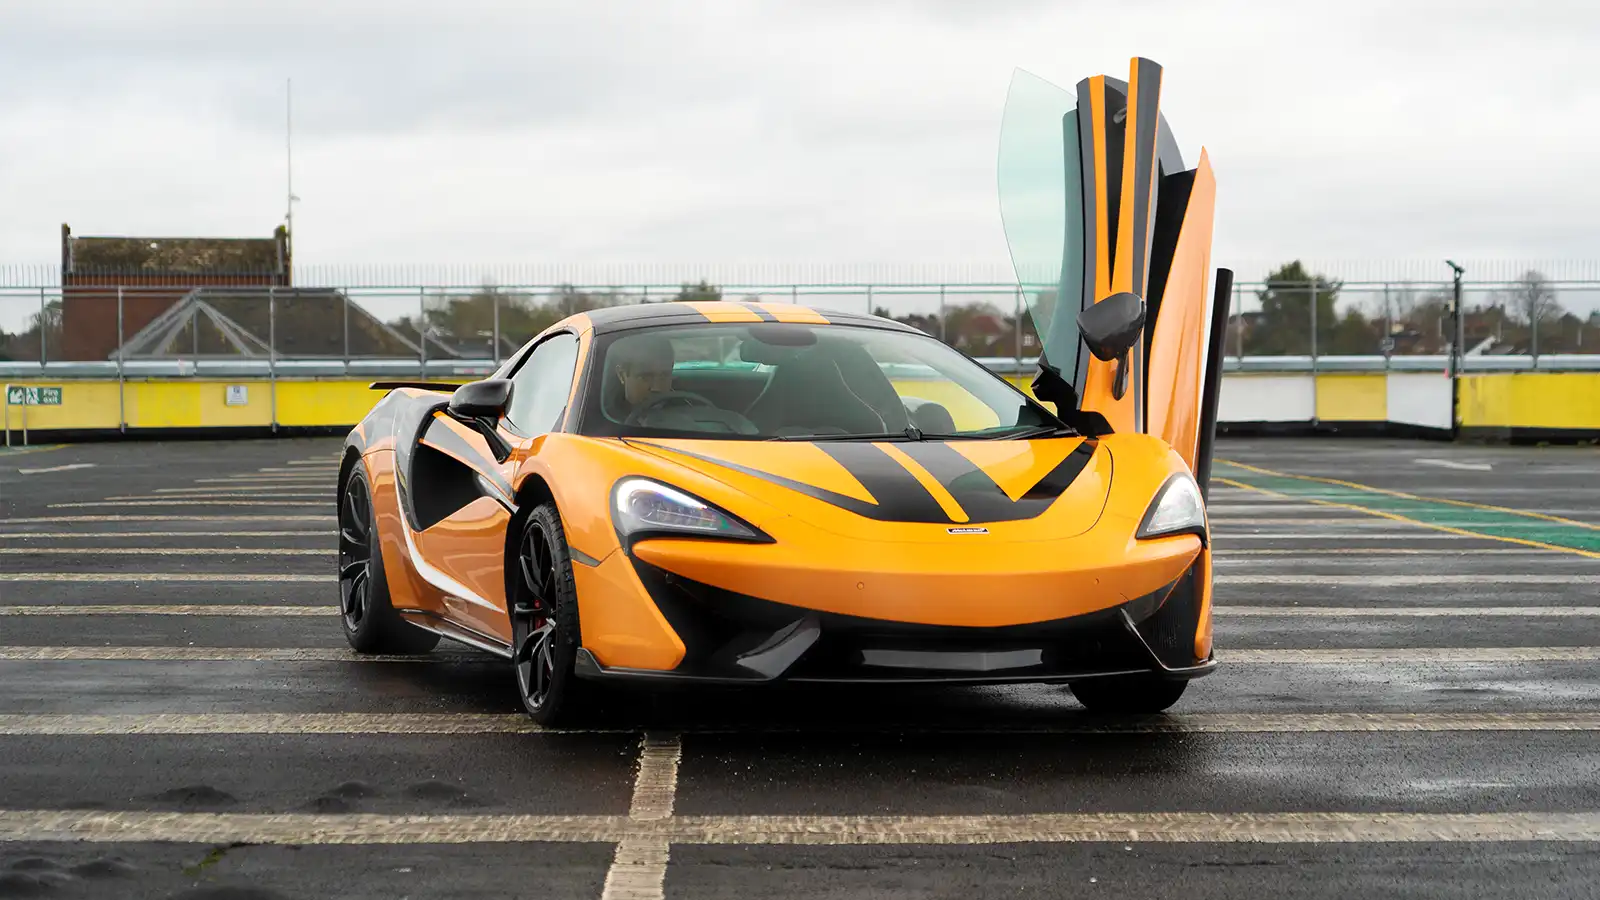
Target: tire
[
  {"x": 544, "y": 620},
  {"x": 370, "y": 622},
  {"x": 1128, "y": 693}
]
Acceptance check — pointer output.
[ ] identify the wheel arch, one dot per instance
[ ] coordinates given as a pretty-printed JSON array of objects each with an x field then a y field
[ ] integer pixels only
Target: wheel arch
[
  {"x": 347, "y": 463},
  {"x": 532, "y": 492}
]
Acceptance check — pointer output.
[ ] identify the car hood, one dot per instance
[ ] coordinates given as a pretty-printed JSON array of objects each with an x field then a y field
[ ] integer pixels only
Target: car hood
[{"x": 1024, "y": 490}]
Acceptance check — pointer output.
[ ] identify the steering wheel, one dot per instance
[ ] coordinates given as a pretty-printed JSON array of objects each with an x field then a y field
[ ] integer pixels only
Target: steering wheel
[{"x": 666, "y": 399}]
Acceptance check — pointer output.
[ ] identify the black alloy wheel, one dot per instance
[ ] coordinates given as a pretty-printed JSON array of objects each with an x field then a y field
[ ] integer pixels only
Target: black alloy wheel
[
  {"x": 370, "y": 622},
  {"x": 544, "y": 619},
  {"x": 355, "y": 553}
]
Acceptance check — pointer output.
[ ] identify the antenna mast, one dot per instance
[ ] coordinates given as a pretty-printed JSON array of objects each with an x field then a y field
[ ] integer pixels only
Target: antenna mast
[{"x": 288, "y": 148}]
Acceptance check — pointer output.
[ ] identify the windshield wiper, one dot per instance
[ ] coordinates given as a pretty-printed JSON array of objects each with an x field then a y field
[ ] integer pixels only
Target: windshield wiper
[
  {"x": 911, "y": 433},
  {"x": 1032, "y": 431}
]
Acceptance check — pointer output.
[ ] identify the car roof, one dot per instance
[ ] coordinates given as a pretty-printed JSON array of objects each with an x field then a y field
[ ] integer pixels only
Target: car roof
[{"x": 682, "y": 312}]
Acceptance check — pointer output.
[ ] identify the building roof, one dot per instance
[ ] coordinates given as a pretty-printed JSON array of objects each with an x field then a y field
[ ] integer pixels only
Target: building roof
[
  {"x": 174, "y": 255},
  {"x": 302, "y": 324}
]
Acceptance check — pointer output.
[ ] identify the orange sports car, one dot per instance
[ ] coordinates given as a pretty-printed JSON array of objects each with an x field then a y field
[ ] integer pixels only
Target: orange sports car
[{"x": 748, "y": 493}]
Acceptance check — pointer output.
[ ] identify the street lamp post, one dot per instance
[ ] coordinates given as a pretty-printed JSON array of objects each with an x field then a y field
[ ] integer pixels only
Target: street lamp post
[{"x": 1455, "y": 349}]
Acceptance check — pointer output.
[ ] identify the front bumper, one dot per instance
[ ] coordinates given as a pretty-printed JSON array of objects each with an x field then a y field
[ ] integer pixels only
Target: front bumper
[{"x": 732, "y": 638}]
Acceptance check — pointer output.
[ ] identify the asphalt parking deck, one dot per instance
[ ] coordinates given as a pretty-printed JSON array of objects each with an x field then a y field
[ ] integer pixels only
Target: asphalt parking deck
[{"x": 1408, "y": 705}]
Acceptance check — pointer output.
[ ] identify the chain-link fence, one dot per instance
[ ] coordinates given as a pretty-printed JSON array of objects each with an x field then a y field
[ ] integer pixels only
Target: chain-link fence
[{"x": 192, "y": 329}]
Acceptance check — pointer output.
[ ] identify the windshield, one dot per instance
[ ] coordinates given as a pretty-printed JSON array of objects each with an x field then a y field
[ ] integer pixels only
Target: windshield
[{"x": 790, "y": 381}]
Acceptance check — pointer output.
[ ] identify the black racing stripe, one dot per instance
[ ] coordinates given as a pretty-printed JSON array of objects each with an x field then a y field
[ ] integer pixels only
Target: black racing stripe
[
  {"x": 1115, "y": 101},
  {"x": 765, "y": 316},
  {"x": 859, "y": 507},
  {"x": 1057, "y": 480},
  {"x": 984, "y": 500},
  {"x": 901, "y": 497},
  {"x": 1091, "y": 251},
  {"x": 1143, "y": 129}
]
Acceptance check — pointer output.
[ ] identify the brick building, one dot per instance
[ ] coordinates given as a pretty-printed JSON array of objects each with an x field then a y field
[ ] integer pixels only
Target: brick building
[{"x": 153, "y": 274}]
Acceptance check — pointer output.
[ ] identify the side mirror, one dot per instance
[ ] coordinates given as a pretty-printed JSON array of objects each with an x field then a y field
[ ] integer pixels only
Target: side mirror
[
  {"x": 486, "y": 399},
  {"x": 479, "y": 405},
  {"x": 1112, "y": 326}
]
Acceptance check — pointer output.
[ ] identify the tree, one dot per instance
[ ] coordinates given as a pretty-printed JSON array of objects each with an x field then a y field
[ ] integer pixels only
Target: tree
[
  {"x": 1284, "y": 323},
  {"x": 699, "y": 292},
  {"x": 1352, "y": 335},
  {"x": 24, "y": 345},
  {"x": 1533, "y": 299}
]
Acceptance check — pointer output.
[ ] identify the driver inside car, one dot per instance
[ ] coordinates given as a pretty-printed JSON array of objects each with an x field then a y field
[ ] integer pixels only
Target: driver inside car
[{"x": 644, "y": 366}]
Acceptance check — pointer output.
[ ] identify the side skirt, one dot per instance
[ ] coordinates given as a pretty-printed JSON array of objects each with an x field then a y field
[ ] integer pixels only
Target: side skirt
[{"x": 445, "y": 628}]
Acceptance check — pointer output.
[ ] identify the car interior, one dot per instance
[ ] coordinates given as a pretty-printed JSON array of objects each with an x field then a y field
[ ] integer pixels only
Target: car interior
[{"x": 780, "y": 384}]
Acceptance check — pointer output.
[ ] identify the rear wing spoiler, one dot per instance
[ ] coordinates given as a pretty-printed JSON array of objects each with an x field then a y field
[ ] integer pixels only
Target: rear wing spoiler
[{"x": 444, "y": 387}]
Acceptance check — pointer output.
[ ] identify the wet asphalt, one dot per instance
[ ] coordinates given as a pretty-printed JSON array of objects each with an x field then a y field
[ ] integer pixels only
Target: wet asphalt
[{"x": 325, "y": 745}]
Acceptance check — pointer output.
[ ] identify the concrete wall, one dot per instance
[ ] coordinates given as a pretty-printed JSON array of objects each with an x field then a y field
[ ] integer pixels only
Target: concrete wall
[{"x": 1534, "y": 404}]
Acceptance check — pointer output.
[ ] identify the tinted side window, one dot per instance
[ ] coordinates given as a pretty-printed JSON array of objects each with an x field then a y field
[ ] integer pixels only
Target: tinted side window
[{"x": 542, "y": 384}]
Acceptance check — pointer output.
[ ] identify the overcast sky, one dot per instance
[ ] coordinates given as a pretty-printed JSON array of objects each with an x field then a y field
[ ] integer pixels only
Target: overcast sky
[{"x": 799, "y": 132}]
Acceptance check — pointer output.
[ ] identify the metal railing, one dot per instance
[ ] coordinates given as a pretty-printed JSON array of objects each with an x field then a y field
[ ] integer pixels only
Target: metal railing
[{"x": 143, "y": 329}]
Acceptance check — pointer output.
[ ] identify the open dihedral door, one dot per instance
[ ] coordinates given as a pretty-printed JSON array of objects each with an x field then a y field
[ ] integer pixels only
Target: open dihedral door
[{"x": 1096, "y": 202}]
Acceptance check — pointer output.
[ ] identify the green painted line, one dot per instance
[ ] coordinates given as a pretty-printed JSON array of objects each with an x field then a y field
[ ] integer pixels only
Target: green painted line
[{"x": 1485, "y": 522}]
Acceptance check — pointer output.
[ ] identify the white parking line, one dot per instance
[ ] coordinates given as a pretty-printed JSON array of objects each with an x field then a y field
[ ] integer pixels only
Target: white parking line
[
  {"x": 1308, "y": 552},
  {"x": 1333, "y": 524},
  {"x": 265, "y": 610},
  {"x": 172, "y": 551},
  {"x": 1456, "y": 464},
  {"x": 1324, "y": 580},
  {"x": 1406, "y": 580},
  {"x": 266, "y": 478},
  {"x": 1234, "y": 510},
  {"x": 66, "y": 468},
  {"x": 1413, "y": 655},
  {"x": 228, "y": 654},
  {"x": 1429, "y": 612},
  {"x": 1403, "y": 656},
  {"x": 1325, "y": 536},
  {"x": 1122, "y": 828},
  {"x": 639, "y": 865},
  {"x": 330, "y": 468},
  {"x": 67, "y": 520},
  {"x": 44, "y": 724},
  {"x": 213, "y": 577},
  {"x": 186, "y": 499},
  {"x": 1345, "y": 521},
  {"x": 99, "y": 535},
  {"x": 94, "y": 503},
  {"x": 261, "y": 610},
  {"x": 236, "y": 489}
]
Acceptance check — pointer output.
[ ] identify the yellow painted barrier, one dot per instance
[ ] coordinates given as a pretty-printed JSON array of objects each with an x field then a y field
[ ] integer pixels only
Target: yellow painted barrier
[
  {"x": 1362, "y": 397},
  {"x": 84, "y": 404},
  {"x": 324, "y": 403},
  {"x": 1564, "y": 401},
  {"x": 181, "y": 403},
  {"x": 1568, "y": 401}
]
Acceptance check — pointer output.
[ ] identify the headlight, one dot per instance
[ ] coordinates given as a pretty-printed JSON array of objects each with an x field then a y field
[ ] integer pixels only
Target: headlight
[
  {"x": 1177, "y": 509},
  {"x": 641, "y": 507}
]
